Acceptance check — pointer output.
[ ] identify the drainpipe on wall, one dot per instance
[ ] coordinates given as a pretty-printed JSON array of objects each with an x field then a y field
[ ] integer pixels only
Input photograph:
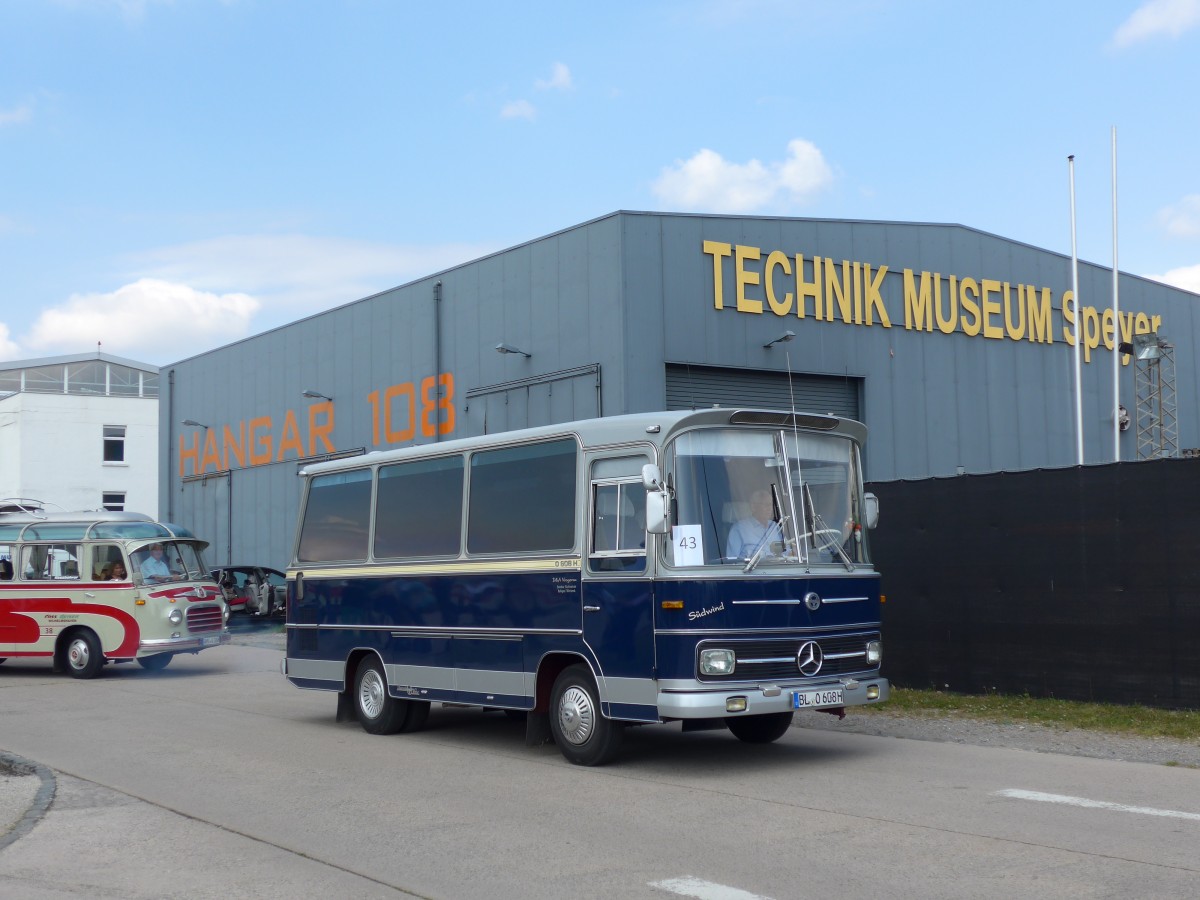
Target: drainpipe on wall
[{"x": 437, "y": 357}]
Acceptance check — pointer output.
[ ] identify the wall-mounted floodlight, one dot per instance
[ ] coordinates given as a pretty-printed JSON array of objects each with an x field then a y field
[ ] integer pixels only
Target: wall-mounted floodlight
[
  {"x": 506, "y": 348},
  {"x": 1147, "y": 346},
  {"x": 316, "y": 395},
  {"x": 194, "y": 424},
  {"x": 782, "y": 339}
]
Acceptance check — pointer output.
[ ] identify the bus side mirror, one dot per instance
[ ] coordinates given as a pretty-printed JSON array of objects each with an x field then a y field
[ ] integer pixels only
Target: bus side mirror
[
  {"x": 871, "y": 510},
  {"x": 658, "y": 512},
  {"x": 651, "y": 477}
]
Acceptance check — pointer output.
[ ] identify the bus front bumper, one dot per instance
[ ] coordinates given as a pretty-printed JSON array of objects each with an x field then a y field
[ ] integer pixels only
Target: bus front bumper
[
  {"x": 708, "y": 701},
  {"x": 190, "y": 644}
]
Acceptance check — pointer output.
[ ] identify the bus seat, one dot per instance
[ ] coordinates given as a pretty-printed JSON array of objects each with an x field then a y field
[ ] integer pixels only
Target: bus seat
[{"x": 6, "y": 570}]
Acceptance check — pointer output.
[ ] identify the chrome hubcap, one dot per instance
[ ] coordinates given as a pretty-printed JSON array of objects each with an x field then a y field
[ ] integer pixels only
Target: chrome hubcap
[
  {"x": 576, "y": 715},
  {"x": 371, "y": 694},
  {"x": 78, "y": 654}
]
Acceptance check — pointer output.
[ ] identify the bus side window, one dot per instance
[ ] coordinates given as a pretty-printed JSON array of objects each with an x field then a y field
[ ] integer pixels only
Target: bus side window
[{"x": 6, "y": 570}]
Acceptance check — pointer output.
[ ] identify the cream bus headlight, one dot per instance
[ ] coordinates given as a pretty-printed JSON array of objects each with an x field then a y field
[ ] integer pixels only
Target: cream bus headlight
[
  {"x": 874, "y": 652},
  {"x": 717, "y": 662},
  {"x": 175, "y": 616}
]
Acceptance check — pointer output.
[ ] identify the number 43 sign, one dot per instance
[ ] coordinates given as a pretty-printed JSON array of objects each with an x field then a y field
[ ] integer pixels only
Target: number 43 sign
[{"x": 689, "y": 545}]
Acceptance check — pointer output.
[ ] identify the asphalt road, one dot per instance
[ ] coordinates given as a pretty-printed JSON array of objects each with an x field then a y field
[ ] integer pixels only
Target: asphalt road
[{"x": 217, "y": 778}]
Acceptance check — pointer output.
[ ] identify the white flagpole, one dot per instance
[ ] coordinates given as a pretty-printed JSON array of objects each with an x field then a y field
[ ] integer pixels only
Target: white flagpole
[
  {"x": 1078, "y": 325},
  {"x": 1116, "y": 362}
]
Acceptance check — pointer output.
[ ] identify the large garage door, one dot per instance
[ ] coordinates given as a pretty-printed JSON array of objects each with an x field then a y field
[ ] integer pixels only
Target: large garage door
[{"x": 698, "y": 387}]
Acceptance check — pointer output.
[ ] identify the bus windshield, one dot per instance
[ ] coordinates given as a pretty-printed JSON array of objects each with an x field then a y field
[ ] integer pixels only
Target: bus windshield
[
  {"x": 762, "y": 499},
  {"x": 169, "y": 561}
]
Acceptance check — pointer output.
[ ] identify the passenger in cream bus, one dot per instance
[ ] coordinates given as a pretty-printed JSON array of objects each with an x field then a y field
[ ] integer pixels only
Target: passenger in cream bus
[{"x": 118, "y": 572}]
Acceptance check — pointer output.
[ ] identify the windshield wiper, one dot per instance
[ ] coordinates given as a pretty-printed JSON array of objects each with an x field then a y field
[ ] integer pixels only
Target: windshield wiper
[
  {"x": 817, "y": 527},
  {"x": 763, "y": 543}
]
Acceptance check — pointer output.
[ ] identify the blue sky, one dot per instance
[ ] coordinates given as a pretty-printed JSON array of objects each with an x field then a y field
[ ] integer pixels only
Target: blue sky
[{"x": 177, "y": 174}]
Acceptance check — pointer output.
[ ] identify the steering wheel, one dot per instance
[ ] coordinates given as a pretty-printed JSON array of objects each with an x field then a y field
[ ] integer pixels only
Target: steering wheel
[{"x": 823, "y": 538}]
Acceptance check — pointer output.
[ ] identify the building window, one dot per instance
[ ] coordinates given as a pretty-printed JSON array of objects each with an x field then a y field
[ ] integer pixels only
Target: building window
[
  {"x": 114, "y": 443},
  {"x": 114, "y": 501}
]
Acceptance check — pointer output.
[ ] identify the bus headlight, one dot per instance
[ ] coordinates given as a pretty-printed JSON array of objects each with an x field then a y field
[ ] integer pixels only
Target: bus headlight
[
  {"x": 874, "y": 652},
  {"x": 717, "y": 662},
  {"x": 175, "y": 616}
]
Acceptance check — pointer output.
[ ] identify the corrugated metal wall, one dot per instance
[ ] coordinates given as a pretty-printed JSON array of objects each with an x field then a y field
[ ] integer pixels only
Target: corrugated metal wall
[{"x": 697, "y": 387}]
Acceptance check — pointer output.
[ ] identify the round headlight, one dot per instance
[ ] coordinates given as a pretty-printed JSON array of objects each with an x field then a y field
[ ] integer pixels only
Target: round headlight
[
  {"x": 175, "y": 616},
  {"x": 717, "y": 662}
]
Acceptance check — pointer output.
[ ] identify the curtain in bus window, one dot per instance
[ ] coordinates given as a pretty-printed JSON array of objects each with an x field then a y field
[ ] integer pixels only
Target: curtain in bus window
[
  {"x": 418, "y": 508},
  {"x": 337, "y": 517},
  {"x": 522, "y": 499}
]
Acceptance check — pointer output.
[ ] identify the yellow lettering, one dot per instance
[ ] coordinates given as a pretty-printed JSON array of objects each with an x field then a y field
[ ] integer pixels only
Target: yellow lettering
[
  {"x": 874, "y": 298},
  {"x": 1108, "y": 329},
  {"x": 949, "y": 323},
  {"x": 778, "y": 260},
  {"x": 858, "y": 297},
  {"x": 1069, "y": 318},
  {"x": 835, "y": 290},
  {"x": 918, "y": 311},
  {"x": 746, "y": 277},
  {"x": 991, "y": 307},
  {"x": 1039, "y": 315},
  {"x": 808, "y": 288},
  {"x": 968, "y": 296},
  {"x": 718, "y": 251},
  {"x": 1014, "y": 332},
  {"x": 1091, "y": 332}
]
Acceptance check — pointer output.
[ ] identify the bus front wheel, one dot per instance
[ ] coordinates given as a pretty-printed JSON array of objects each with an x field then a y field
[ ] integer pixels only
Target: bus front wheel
[
  {"x": 760, "y": 729},
  {"x": 582, "y": 733},
  {"x": 378, "y": 713},
  {"x": 83, "y": 655},
  {"x": 155, "y": 663}
]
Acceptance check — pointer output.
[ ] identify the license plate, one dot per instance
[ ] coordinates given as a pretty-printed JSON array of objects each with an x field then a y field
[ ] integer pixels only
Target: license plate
[
  {"x": 210, "y": 640},
  {"x": 816, "y": 699}
]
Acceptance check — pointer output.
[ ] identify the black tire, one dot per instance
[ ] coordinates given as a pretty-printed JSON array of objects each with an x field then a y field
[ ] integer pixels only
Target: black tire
[
  {"x": 418, "y": 712},
  {"x": 583, "y": 735},
  {"x": 762, "y": 729},
  {"x": 156, "y": 663},
  {"x": 378, "y": 712},
  {"x": 82, "y": 655}
]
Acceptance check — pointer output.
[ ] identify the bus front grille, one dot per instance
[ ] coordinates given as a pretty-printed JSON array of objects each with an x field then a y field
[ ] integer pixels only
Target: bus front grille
[
  {"x": 777, "y": 658},
  {"x": 204, "y": 618}
]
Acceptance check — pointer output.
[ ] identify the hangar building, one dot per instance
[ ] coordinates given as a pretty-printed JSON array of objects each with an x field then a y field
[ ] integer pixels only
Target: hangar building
[{"x": 955, "y": 347}]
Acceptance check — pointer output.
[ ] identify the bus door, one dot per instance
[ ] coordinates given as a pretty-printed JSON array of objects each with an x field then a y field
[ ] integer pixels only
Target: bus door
[{"x": 617, "y": 595}]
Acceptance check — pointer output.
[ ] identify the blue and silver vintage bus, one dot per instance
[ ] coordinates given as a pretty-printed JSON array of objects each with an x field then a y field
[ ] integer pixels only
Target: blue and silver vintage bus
[{"x": 708, "y": 567}]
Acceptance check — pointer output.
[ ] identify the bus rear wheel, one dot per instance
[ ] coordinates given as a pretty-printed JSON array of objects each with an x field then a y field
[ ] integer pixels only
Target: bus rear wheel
[
  {"x": 583, "y": 735},
  {"x": 378, "y": 712},
  {"x": 760, "y": 729},
  {"x": 83, "y": 655}
]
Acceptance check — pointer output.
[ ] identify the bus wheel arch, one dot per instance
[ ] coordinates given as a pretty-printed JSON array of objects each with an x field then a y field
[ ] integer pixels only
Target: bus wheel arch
[
  {"x": 79, "y": 652},
  {"x": 375, "y": 708},
  {"x": 583, "y": 735}
]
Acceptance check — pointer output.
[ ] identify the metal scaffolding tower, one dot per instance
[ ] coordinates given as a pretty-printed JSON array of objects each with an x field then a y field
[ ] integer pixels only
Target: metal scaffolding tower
[{"x": 1154, "y": 391}]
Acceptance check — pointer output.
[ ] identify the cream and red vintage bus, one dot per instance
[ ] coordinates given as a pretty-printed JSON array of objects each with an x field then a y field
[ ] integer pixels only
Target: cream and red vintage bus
[{"x": 84, "y": 589}]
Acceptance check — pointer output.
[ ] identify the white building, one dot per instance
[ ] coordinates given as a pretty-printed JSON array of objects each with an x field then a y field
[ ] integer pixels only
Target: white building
[{"x": 80, "y": 432}]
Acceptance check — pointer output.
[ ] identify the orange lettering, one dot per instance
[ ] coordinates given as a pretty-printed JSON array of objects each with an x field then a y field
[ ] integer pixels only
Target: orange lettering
[
  {"x": 184, "y": 453},
  {"x": 259, "y": 457},
  {"x": 211, "y": 453},
  {"x": 320, "y": 432},
  {"x": 235, "y": 448},
  {"x": 290, "y": 439}
]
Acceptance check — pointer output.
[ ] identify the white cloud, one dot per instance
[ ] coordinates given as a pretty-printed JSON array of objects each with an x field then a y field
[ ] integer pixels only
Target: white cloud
[
  {"x": 1183, "y": 218},
  {"x": 8, "y": 349},
  {"x": 1156, "y": 18},
  {"x": 149, "y": 319},
  {"x": 518, "y": 109},
  {"x": 185, "y": 299},
  {"x": 1187, "y": 278},
  {"x": 16, "y": 116},
  {"x": 710, "y": 183},
  {"x": 560, "y": 79}
]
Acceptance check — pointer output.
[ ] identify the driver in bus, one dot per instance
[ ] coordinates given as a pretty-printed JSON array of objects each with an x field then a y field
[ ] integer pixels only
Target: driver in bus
[
  {"x": 749, "y": 533},
  {"x": 154, "y": 567}
]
